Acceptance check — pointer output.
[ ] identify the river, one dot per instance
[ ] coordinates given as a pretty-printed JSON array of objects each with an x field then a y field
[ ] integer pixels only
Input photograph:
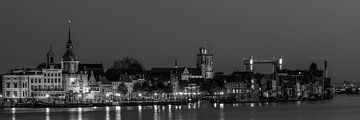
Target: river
[{"x": 340, "y": 108}]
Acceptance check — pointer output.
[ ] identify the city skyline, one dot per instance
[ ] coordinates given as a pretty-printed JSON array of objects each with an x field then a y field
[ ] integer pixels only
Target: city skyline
[{"x": 155, "y": 39}]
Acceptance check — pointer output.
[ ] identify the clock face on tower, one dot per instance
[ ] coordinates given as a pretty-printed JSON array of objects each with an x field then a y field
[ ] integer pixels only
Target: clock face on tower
[{"x": 72, "y": 81}]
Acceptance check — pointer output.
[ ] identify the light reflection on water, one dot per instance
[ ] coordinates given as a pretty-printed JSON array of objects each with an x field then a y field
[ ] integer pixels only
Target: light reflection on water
[
  {"x": 107, "y": 113},
  {"x": 339, "y": 108},
  {"x": 118, "y": 112}
]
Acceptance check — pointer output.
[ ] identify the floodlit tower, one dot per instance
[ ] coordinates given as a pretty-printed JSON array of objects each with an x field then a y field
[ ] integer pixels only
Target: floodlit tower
[
  {"x": 205, "y": 61},
  {"x": 69, "y": 61}
]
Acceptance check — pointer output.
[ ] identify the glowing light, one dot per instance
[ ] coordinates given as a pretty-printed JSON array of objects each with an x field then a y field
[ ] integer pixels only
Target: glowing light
[
  {"x": 140, "y": 94},
  {"x": 107, "y": 109},
  {"x": 280, "y": 61},
  {"x": 13, "y": 110},
  {"x": 117, "y": 108},
  {"x": 251, "y": 61},
  {"x": 156, "y": 94},
  {"x": 47, "y": 110},
  {"x": 155, "y": 107},
  {"x": 117, "y": 94},
  {"x": 107, "y": 94},
  {"x": 221, "y": 106},
  {"x": 221, "y": 93},
  {"x": 79, "y": 95},
  {"x": 139, "y": 107},
  {"x": 47, "y": 95},
  {"x": 252, "y": 104}
]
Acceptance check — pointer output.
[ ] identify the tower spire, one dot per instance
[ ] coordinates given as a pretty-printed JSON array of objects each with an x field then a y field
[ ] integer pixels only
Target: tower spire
[
  {"x": 176, "y": 63},
  {"x": 50, "y": 46},
  {"x": 69, "y": 25}
]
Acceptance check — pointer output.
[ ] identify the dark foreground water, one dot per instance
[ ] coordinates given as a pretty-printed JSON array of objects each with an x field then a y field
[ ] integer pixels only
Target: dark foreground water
[{"x": 340, "y": 108}]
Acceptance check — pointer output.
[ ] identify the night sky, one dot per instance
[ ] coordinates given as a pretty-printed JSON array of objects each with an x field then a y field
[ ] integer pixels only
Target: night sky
[{"x": 157, "y": 31}]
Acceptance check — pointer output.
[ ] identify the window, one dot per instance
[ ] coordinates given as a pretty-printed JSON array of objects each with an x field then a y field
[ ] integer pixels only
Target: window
[
  {"x": 15, "y": 94},
  {"x": 44, "y": 80},
  {"x": 52, "y": 81},
  {"x": 39, "y": 80},
  {"x": 32, "y": 87},
  {"x": 49, "y": 80},
  {"x": 8, "y": 93},
  {"x": 7, "y": 84},
  {"x": 45, "y": 74},
  {"x": 32, "y": 80},
  {"x": 15, "y": 85}
]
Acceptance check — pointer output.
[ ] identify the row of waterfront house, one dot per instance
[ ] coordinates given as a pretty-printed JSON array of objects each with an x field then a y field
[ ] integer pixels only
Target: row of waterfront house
[{"x": 71, "y": 81}]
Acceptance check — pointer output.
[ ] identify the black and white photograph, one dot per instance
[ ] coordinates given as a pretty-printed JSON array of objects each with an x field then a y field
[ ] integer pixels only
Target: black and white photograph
[{"x": 179, "y": 60}]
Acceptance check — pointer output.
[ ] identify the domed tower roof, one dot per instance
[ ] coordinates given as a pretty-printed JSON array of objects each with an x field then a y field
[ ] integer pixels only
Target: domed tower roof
[{"x": 69, "y": 55}]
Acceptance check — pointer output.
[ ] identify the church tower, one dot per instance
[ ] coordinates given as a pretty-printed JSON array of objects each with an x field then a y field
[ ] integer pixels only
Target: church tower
[
  {"x": 69, "y": 61},
  {"x": 50, "y": 57},
  {"x": 205, "y": 62}
]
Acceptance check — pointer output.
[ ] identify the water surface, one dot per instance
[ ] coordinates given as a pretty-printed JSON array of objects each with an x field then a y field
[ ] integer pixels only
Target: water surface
[{"x": 340, "y": 108}]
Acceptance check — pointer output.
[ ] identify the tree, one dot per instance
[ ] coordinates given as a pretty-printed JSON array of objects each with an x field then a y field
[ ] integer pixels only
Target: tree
[
  {"x": 167, "y": 88},
  {"x": 209, "y": 87},
  {"x": 122, "y": 89},
  {"x": 126, "y": 65},
  {"x": 313, "y": 67}
]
